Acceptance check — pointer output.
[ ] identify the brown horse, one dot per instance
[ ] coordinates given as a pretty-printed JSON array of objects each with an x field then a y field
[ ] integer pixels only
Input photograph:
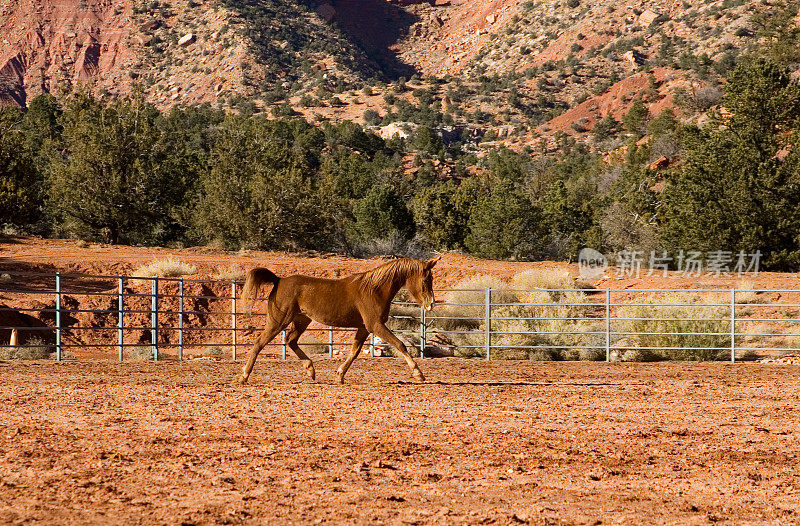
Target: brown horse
[{"x": 360, "y": 301}]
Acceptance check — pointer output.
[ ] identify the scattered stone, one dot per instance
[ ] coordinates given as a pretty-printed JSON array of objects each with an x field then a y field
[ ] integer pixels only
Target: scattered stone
[
  {"x": 634, "y": 58},
  {"x": 150, "y": 26},
  {"x": 402, "y": 130},
  {"x": 384, "y": 465},
  {"x": 187, "y": 39},
  {"x": 658, "y": 164},
  {"x": 647, "y": 17}
]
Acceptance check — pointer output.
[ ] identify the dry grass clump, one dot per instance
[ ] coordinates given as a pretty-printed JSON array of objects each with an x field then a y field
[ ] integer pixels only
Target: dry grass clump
[
  {"x": 465, "y": 312},
  {"x": 746, "y": 292},
  {"x": 675, "y": 316},
  {"x": 33, "y": 349},
  {"x": 543, "y": 279},
  {"x": 311, "y": 346},
  {"x": 766, "y": 336},
  {"x": 759, "y": 332},
  {"x": 213, "y": 350},
  {"x": 140, "y": 353},
  {"x": 533, "y": 318},
  {"x": 232, "y": 272},
  {"x": 164, "y": 268},
  {"x": 469, "y": 299},
  {"x": 791, "y": 334},
  {"x": 552, "y": 320}
]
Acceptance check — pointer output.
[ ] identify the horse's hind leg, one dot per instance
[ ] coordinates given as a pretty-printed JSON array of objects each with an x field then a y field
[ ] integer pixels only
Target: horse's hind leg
[
  {"x": 358, "y": 342},
  {"x": 298, "y": 327},
  {"x": 272, "y": 330},
  {"x": 381, "y": 331}
]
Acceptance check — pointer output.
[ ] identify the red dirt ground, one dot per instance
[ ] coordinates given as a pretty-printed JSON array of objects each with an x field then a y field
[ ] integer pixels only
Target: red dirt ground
[
  {"x": 64, "y": 255},
  {"x": 480, "y": 443}
]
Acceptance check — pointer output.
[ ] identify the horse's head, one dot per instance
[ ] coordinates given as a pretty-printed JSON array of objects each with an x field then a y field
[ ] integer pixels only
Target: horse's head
[{"x": 420, "y": 284}]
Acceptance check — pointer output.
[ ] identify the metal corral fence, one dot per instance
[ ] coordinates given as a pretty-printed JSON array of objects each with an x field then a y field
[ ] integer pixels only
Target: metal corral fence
[{"x": 124, "y": 317}]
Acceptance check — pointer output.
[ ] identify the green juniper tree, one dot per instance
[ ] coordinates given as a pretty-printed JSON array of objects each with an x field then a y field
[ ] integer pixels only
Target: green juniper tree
[
  {"x": 739, "y": 188},
  {"x": 19, "y": 182},
  {"x": 109, "y": 178},
  {"x": 777, "y": 26},
  {"x": 504, "y": 224},
  {"x": 440, "y": 212},
  {"x": 381, "y": 214},
  {"x": 262, "y": 188}
]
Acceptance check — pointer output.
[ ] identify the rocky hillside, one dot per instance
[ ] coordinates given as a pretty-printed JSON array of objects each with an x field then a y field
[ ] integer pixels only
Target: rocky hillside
[
  {"x": 50, "y": 46},
  {"x": 510, "y": 70}
]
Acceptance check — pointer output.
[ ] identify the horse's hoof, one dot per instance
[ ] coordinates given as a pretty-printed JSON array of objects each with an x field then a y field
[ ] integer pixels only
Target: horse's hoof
[
  {"x": 418, "y": 375},
  {"x": 312, "y": 375},
  {"x": 242, "y": 380},
  {"x": 341, "y": 379}
]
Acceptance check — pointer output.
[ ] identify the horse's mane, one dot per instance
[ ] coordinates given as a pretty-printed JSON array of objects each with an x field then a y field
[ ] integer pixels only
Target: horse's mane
[{"x": 390, "y": 272}]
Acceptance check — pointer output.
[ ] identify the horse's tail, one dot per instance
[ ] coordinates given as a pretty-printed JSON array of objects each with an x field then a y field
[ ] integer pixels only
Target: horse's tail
[{"x": 252, "y": 284}]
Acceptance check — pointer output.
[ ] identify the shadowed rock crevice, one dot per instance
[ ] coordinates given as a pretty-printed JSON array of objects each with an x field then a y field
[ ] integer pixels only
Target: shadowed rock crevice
[{"x": 376, "y": 26}]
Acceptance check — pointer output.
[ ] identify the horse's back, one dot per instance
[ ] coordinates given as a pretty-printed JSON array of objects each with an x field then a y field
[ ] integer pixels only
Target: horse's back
[{"x": 324, "y": 300}]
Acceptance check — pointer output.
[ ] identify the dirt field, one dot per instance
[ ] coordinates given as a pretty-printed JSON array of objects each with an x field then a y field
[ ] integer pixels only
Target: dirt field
[{"x": 481, "y": 443}]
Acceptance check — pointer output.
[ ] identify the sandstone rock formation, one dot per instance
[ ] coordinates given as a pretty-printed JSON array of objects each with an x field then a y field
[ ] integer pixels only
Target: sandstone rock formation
[{"x": 47, "y": 43}]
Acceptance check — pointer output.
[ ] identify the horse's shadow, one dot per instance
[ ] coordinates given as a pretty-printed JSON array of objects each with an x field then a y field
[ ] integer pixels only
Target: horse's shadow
[{"x": 512, "y": 383}]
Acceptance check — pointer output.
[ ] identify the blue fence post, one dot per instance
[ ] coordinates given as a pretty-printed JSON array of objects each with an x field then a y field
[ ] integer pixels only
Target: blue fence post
[
  {"x": 180, "y": 319},
  {"x": 233, "y": 321},
  {"x": 121, "y": 319},
  {"x": 58, "y": 316},
  {"x": 154, "y": 326},
  {"x": 330, "y": 342},
  {"x": 283, "y": 344},
  {"x": 733, "y": 325},
  {"x": 608, "y": 325},
  {"x": 488, "y": 322}
]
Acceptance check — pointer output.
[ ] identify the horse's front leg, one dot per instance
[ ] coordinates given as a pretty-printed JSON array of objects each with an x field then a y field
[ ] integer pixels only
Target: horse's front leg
[{"x": 380, "y": 330}]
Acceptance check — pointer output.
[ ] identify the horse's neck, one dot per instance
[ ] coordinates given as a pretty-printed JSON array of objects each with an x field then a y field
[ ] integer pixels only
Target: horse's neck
[{"x": 393, "y": 287}]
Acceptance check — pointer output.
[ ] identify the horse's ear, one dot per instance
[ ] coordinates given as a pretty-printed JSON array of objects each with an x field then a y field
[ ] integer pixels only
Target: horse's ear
[{"x": 431, "y": 262}]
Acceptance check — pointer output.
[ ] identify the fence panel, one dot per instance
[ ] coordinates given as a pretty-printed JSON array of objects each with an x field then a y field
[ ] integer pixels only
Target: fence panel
[{"x": 79, "y": 316}]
